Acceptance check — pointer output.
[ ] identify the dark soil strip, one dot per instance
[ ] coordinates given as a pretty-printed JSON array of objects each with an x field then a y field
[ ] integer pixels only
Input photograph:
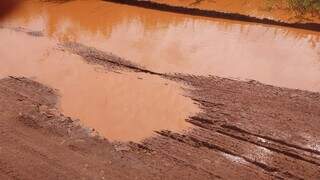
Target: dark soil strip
[
  {"x": 215, "y": 14},
  {"x": 96, "y": 56}
]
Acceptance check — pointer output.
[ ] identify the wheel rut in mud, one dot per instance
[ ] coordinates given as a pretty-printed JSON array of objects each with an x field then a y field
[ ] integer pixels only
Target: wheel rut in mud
[{"x": 254, "y": 130}]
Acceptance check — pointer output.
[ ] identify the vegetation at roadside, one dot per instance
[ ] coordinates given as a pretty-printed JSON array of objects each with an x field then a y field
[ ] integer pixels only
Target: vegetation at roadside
[{"x": 300, "y": 7}]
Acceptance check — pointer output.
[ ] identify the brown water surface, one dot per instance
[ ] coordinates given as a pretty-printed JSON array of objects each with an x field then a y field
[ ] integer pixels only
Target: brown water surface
[
  {"x": 121, "y": 106},
  {"x": 167, "y": 42},
  {"x": 7, "y": 6},
  {"x": 277, "y": 9},
  {"x": 130, "y": 106}
]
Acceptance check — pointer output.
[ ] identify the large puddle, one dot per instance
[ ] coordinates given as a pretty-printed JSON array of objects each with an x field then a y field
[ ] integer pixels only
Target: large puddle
[
  {"x": 168, "y": 42},
  {"x": 121, "y": 106},
  {"x": 271, "y": 9},
  {"x": 130, "y": 106}
]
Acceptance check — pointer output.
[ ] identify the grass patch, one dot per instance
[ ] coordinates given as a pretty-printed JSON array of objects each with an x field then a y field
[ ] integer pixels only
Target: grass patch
[
  {"x": 300, "y": 7},
  {"x": 305, "y": 6}
]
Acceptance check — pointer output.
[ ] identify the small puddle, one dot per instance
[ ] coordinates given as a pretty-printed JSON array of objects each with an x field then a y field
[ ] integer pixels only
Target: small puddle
[
  {"x": 121, "y": 106},
  {"x": 168, "y": 42}
]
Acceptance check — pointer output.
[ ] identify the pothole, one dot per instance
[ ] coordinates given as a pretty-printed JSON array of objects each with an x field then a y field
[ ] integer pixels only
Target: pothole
[{"x": 122, "y": 106}]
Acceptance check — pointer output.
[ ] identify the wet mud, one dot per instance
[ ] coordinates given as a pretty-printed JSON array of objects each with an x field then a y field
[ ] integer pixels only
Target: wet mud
[
  {"x": 126, "y": 106},
  {"x": 216, "y": 14},
  {"x": 7, "y": 6},
  {"x": 74, "y": 110},
  {"x": 173, "y": 43},
  {"x": 253, "y": 130},
  {"x": 276, "y": 10}
]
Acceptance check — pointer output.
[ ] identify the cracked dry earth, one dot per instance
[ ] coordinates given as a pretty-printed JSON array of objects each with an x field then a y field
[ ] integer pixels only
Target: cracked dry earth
[{"x": 246, "y": 130}]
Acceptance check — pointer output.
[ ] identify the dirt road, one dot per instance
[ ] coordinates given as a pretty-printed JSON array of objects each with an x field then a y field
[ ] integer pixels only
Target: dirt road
[
  {"x": 247, "y": 130},
  {"x": 257, "y": 8},
  {"x": 216, "y": 12},
  {"x": 239, "y": 130}
]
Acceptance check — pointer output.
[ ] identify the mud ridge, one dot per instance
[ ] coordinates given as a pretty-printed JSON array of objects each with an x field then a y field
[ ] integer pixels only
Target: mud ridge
[
  {"x": 96, "y": 56},
  {"x": 24, "y": 30},
  {"x": 215, "y": 14}
]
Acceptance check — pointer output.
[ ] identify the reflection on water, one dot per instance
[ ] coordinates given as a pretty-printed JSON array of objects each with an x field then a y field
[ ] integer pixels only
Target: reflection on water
[
  {"x": 167, "y": 42},
  {"x": 7, "y": 6},
  {"x": 126, "y": 106},
  {"x": 131, "y": 106},
  {"x": 257, "y": 8}
]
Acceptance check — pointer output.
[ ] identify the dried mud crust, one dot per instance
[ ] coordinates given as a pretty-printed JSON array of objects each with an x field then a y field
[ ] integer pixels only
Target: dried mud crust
[
  {"x": 247, "y": 130},
  {"x": 215, "y": 14}
]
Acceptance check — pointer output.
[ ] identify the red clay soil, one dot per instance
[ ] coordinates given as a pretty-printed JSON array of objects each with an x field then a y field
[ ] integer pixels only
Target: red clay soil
[
  {"x": 247, "y": 130},
  {"x": 277, "y": 10},
  {"x": 7, "y": 6},
  {"x": 313, "y": 25},
  {"x": 37, "y": 142}
]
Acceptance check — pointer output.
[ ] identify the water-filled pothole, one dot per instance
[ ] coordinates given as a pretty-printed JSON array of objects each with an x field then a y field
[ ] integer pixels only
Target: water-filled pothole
[
  {"x": 168, "y": 42},
  {"x": 122, "y": 106}
]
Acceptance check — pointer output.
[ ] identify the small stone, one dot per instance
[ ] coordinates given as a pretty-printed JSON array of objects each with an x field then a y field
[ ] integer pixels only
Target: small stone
[
  {"x": 43, "y": 109},
  {"x": 79, "y": 141},
  {"x": 49, "y": 115},
  {"x": 293, "y": 95},
  {"x": 243, "y": 114},
  {"x": 122, "y": 148},
  {"x": 54, "y": 112},
  {"x": 102, "y": 172},
  {"x": 206, "y": 161},
  {"x": 63, "y": 141},
  {"x": 252, "y": 82},
  {"x": 88, "y": 130},
  {"x": 166, "y": 164},
  {"x": 77, "y": 122}
]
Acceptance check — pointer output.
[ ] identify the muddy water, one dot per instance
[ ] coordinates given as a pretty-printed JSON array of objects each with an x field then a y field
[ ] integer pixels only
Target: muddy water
[
  {"x": 277, "y": 10},
  {"x": 121, "y": 106},
  {"x": 131, "y": 106},
  {"x": 166, "y": 42},
  {"x": 7, "y": 6}
]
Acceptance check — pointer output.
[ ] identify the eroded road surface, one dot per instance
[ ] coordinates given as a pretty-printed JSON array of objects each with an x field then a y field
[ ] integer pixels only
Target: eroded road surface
[{"x": 97, "y": 90}]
